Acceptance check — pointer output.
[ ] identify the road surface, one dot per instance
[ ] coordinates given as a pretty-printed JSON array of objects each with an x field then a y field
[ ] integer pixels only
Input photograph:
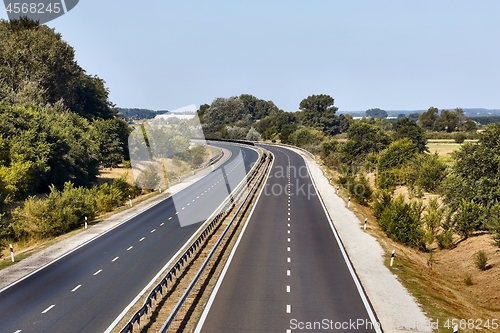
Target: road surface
[
  {"x": 87, "y": 289},
  {"x": 287, "y": 273}
]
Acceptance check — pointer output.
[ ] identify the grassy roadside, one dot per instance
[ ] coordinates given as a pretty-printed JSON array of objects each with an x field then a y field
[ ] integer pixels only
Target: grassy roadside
[{"x": 437, "y": 278}]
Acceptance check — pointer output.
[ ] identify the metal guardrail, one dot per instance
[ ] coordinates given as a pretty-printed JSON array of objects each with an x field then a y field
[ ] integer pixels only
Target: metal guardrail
[
  {"x": 214, "y": 159},
  {"x": 184, "y": 259},
  {"x": 183, "y": 298}
]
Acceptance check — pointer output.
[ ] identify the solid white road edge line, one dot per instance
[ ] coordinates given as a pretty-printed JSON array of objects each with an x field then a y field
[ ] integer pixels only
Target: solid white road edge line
[
  {"x": 167, "y": 265},
  {"x": 361, "y": 291},
  {"x": 229, "y": 259}
]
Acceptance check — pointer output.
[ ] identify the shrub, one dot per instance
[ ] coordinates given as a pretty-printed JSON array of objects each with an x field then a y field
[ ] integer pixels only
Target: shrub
[
  {"x": 481, "y": 260},
  {"x": 445, "y": 240},
  {"x": 468, "y": 279},
  {"x": 58, "y": 213},
  {"x": 459, "y": 137},
  {"x": 401, "y": 221},
  {"x": 468, "y": 218}
]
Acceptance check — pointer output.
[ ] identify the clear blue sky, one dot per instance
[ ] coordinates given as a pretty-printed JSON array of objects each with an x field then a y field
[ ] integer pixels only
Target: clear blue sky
[{"x": 390, "y": 54}]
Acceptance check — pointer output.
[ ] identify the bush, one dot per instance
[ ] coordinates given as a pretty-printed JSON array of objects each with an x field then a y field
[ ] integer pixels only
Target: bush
[
  {"x": 469, "y": 218},
  {"x": 430, "y": 172},
  {"x": 481, "y": 260},
  {"x": 445, "y": 240},
  {"x": 468, "y": 279},
  {"x": 459, "y": 137},
  {"x": 60, "y": 212},
  {"x": 63, "y": 211},
  {"x": 401, "y": 221}
]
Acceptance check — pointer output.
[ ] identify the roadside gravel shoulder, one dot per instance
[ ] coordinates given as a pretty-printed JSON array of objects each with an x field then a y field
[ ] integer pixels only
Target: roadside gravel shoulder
[
  {"x": 38, "y": 260},
  {"x": 396, "y": 309}
]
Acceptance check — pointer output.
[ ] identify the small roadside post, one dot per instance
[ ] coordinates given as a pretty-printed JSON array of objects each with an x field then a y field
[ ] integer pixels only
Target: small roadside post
[
  {"x": 392, "y": 257},
  {"x": 11, "y": 252}
]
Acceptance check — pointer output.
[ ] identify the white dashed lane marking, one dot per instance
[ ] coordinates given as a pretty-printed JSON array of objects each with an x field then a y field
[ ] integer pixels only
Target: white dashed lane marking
[
  {"x": 48, "y": 309},
  {"x": 287, "y": 289},
  {"x": 153, "y": 230},
  {"x": 170, "y": 218},
  {"x": 288, "y": 308},
  {"x": 288, "y": 272},
  {"x": 130, "y": 248},
  {"x": 99, "y": 271},
  {"x": 76, "y": 288},
  {"x": 161, "y": 225},
  {"x": 115, "y": 259},
  {"x": 140, "y": 240}
]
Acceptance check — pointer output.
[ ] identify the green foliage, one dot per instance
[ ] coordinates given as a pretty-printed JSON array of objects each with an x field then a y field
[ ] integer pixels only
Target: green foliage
[
  {"x": 475, "y": 175},
  {"x": 459, "y": 137},
  {"x": 358, "y": 187},
  {"x": 37, "y": 67},
  {"x": 392, "y": 163},
  {"x": 433, "y": 219},
  {"x": 63, "y": 211},
  {"x": 468, "y": 279},
  {"x": 318, "y": 111},
  {"x": 428, "y": 172},
  {"x": 492, "y": 221},
  {"x": 407, "y": 128},
  {"x": 306, "y": 136},
  {"x": 429, "y": 118},
  {"x": 445, "y": 239},
  {"x": 328, "y": 148},
  {"x": 398, "y": 154},
  {"x": 149, "y": 178},
  {"x": 362, "y": 139},
  {"x": 376, "y": 113},
  {"x": 468, "y": 218},
  {"x": 110, "y": 136},
  {"x": 401, "y": 222},
  {"x": 60, "y": 212},
  {"x": 253, "y": 135},
  {"x": 197, "y": 155},
  {"x": 481, "y": 260}
]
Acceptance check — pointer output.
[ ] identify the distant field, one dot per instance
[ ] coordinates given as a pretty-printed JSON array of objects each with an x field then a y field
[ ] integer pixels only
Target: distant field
[{"x": 444, "y": 148}]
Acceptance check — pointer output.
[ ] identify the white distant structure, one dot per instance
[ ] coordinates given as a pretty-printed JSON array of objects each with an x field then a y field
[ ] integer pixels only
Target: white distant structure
[{"x": 186, "y": 112}]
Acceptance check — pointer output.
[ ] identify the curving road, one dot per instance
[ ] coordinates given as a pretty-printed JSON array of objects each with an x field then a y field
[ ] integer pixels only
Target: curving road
[
  {"x": 87, "y": 289},
  {"x": 287, "y": 273}
]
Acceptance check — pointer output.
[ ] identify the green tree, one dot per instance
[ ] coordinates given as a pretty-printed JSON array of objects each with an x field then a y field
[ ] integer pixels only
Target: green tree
[
  {"x": 429, "y": 172},
  {"x": 448, "y": 121},
  {"x": 428, "y": 119},
  {"x": 402, "y": 222},
  {"x": 469, "y": 218},
  {"x": 108, "y": 136},
  {"x": 475, "y": 175},
  {"x": 37, "y": 67},
  {"x": 399, "y": 154},
  {"x": 376, "y": 113},
  {"x": 407, "y": 128},
  {"x": 362, "y": 139},
  {"x": 318, "y": 111},
  {"x": 306, "y": 136}
]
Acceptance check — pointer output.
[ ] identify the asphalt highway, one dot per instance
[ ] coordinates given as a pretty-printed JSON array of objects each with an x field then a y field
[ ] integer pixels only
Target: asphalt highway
[
  {"x": 86, "y": 290},
  {"x": 287, "y": 273}
]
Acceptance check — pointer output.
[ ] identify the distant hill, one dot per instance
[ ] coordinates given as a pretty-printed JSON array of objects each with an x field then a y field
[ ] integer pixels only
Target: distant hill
[{"x": 471, "y": 112}]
